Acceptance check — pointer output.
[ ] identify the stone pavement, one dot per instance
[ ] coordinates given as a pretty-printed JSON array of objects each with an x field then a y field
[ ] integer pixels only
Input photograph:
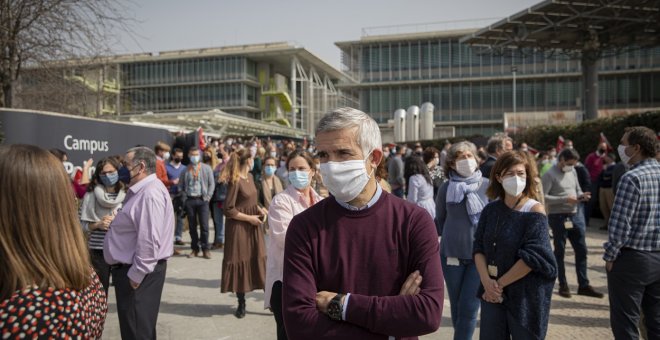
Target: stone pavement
[{"x": 193, "y": 308}]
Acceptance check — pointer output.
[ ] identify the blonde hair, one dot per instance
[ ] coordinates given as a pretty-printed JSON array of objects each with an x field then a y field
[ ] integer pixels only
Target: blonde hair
[
  {"x": 44, "y": 247},
  {"x": 232, "y": 171}
]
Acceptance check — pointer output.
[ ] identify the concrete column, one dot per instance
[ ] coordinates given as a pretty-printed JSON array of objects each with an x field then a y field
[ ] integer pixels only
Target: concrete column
[{"x": 590, "y": 83}]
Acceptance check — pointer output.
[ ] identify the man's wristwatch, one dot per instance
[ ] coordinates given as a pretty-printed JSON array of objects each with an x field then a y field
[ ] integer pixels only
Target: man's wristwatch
[{"x": 336, "y": 307}]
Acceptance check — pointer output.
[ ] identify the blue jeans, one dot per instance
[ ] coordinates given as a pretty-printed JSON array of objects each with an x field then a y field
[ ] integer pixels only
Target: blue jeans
[
  {"x": 498, "y": 324},
  {"x": 218, "y": 223},
  {"x": 198, "y": 214},
  {"x": 462, "y": 284},
  {"x": 177, "y": 202},
  {"x": 576, "y": 236}
]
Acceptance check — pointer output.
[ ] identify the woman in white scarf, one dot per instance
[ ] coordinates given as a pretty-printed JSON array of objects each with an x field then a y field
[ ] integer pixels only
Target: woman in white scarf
[{"x": 104, "y": 197}]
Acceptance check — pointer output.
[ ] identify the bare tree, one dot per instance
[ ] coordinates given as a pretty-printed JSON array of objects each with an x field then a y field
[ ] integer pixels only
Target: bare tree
[{"x": 33, "y": 32}]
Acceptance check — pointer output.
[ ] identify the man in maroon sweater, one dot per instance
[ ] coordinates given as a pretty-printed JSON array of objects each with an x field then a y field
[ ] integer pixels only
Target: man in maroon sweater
[{"x": 361, "y": 264}]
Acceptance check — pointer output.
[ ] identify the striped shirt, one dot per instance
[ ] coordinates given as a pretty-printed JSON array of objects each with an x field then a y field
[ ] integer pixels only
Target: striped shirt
[
  {"x": 635, "y": 219},
  {"x": 96, "y": 237}
]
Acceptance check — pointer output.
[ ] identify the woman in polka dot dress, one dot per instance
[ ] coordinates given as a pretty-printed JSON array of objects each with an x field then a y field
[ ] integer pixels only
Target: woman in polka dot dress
[{"x": 48, "y": 288}]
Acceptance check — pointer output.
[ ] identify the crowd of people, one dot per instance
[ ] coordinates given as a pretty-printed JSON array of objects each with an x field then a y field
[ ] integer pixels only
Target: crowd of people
[{"x": 349, "y": 237}]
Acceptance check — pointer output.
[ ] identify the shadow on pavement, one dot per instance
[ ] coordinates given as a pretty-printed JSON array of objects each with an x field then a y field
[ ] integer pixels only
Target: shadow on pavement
[
  {"x": 558, "y": 304},
  {"x": 195, "y": 310},
  {"x": 192, "y": 282}
]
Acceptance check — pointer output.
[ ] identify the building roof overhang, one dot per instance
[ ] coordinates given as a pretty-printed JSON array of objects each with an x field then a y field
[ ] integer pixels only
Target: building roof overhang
[
  {"x": 575, "y": 25},
  {"x": 214, "y": 122}
]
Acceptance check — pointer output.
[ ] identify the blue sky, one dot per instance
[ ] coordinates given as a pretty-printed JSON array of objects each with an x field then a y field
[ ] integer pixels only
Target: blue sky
[{"x": 172, "y": 25}]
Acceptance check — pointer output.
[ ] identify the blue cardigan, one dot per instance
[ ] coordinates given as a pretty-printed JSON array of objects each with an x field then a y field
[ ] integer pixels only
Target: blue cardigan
[{"x": 522, "y": 235}]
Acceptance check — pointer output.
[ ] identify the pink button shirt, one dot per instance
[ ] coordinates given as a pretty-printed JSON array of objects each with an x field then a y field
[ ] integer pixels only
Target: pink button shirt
[
  {"x": 142, "y": 233},
  {"x": 283, "y": 207}
]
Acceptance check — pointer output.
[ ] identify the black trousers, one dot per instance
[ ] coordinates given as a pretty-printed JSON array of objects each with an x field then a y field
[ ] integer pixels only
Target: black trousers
[
  {"x": 198, "y": 214},
  {"x": 634, "y": 285},
  {"x": 101, "y": 267},
  {"x": 276, "y": 307},
  {"x": 138, "y": 308}
]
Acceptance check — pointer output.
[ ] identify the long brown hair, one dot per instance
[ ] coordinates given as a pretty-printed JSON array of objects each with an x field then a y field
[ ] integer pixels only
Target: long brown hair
[
  {"x": 43, "y": 246},
  {"x": 504, "y": 163},
  {"x": 232, "y": 171}
]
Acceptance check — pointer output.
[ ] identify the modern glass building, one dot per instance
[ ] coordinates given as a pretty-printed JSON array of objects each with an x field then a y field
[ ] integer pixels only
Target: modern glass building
[
  {"x": 273, "y": 82},
  {"x": 471, "y": 90}
]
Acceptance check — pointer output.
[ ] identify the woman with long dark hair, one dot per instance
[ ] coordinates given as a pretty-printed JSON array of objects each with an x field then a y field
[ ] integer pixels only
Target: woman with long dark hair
[
  {"x": 419, "y": 188},
  {"x": 104, "y": 197}
]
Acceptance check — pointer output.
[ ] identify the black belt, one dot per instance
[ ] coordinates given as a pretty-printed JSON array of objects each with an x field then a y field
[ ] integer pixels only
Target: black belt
[{"x": 122, "y": 265}]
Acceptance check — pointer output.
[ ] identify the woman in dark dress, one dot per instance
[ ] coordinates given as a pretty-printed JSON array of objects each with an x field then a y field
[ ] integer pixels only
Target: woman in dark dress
[
  {"x": 244, "y": 262},
  {"x": 513, "y": 256}
]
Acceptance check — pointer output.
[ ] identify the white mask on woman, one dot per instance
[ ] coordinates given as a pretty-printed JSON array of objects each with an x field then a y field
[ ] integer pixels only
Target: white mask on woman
[
  {"x": 466, "y": 167},
  {"x": 514, "y": 185},
  {"x": 345, "y": 180}
]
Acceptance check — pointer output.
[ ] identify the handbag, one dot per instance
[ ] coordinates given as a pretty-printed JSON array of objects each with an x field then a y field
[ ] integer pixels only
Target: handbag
[{"x": 220, "y": 192}]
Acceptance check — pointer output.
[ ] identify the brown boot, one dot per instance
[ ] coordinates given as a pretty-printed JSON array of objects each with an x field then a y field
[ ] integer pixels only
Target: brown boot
[
  {"x": 194, "y": 253},
  {"x": 176, "y": 252},
  {"x": 207, "y": 254}
]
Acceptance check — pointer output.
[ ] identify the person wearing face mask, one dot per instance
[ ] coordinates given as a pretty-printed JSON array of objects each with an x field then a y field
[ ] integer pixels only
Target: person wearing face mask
[
  {"x": 197, "y": 186},
  {"x": 174, "y": 170},
  {"x": 513, "y": 256},
  {"x": 104, "y": 197},
  {"x": 632, "y": 250},
  {"x": 431, "y": 157},
  {"x": 244, "y": 261},
  {"x": 269, "y": 185},
  {"x": 281, "y": 171},
  {"x": 563, "y": 194},
  {"x": 162, "y": 151},
  {"x": 373, "y": 256},
  {"x": 458, "y": 206},
  {"x": 292, "y": 201},
  {"x": 138, "y": 243}
]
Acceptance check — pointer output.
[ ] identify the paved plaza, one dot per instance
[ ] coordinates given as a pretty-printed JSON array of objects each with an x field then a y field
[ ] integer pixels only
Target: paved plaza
[{"x": 193, "y": 308}]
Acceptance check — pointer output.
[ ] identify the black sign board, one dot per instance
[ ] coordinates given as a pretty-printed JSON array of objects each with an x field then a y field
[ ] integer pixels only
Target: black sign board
[{"x": 81, "y": 138}]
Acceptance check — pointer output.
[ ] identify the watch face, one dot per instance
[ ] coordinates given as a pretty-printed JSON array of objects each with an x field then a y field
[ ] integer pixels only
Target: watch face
[{"x": 334, "y": 310}]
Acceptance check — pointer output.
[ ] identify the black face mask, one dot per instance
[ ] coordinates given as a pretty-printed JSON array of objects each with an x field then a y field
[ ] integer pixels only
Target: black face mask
[
  {"x": 206, "y": 158},
  {"x": 177, "y": 160},
  {"x": 602, "y": 150}
]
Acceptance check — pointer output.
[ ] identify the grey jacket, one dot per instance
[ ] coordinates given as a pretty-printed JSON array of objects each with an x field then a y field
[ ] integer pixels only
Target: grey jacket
[
  {"x": 206, "y": 176},
  {"x": 557, "y": 186}
]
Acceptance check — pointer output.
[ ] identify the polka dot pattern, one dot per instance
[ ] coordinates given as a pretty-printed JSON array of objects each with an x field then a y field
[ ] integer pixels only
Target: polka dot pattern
[{"x": 54, "y": 313}]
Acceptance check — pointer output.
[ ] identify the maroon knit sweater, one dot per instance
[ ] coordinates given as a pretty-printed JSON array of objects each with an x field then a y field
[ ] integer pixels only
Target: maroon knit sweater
[{"x": 367, "y": 253}]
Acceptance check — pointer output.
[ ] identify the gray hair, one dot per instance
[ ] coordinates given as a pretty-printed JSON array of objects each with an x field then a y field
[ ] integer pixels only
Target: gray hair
[
  {"x": 146, "y": 156},
  {"x": 367, "y": 134},
  {"x": 496, "y": 143},
  {"x": 455, "y": 149}
]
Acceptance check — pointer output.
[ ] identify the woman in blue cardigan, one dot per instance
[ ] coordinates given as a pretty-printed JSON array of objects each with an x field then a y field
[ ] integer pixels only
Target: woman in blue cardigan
[
  {"x": 512, "y": 253},
  {"x": 458, "y": 206}
]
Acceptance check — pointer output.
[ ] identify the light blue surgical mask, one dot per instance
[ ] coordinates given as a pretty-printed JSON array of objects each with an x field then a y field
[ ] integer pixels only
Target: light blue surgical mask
[
  {"x": 194, "y": 159},
  {"x": 110, "y": 178},
  {"x": 299, "y": 179},
  {"x": 269, "y": 170}
]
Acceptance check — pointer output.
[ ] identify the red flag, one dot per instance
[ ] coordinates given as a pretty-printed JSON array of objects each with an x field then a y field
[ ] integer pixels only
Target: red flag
[
  {"x": 560, "y": 144},
  {"x": 532, "y": 150},
  {"x": 603, "y": 139}
]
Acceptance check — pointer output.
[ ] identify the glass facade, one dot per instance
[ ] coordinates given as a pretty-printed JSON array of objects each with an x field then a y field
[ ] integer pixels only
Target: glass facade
[
  {"x": 473, "y": 88},
  {"x": 228, "y": 83}
]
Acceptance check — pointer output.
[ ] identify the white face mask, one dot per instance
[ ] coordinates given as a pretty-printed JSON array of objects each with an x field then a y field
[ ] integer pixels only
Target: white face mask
[
  {"x": 622, "y": 153},
  {"x": 567, "y": 168},
  {"x": 514, "y": 185},
  {"x": 166, "y": 156},
  {"x": 466, "y": 167},
  {"x": 345, "y": 180}
]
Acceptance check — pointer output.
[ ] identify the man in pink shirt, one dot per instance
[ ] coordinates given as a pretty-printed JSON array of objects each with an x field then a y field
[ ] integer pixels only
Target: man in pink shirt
[{"x": 138, "y": 244}]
